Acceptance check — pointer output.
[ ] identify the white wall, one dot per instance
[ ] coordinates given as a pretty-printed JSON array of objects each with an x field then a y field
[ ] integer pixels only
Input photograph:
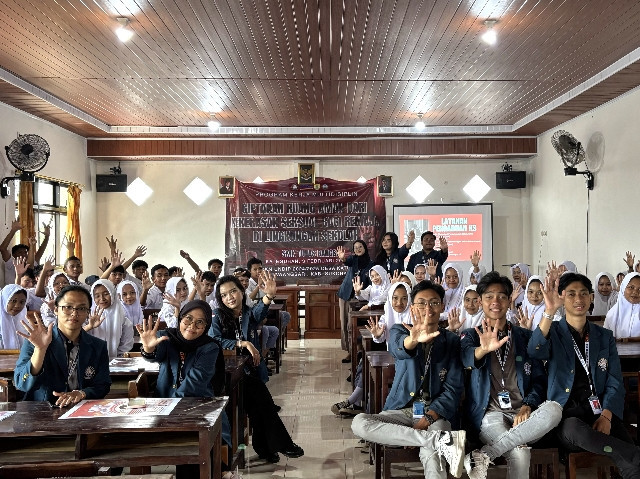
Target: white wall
[
  {"x": 68, "y": 161},
  {"x": 169, "y": 221},
  {"x": 559, "y": 203}
]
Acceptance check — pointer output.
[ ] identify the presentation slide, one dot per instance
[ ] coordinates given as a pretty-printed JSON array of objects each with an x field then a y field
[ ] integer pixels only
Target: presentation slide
[{"x": 466, "y": 227}]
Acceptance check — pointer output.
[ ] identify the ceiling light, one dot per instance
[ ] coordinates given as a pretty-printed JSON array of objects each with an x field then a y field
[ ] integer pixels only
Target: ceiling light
[
  {"x": 213, "y": 125},
  {"x": 258, "y": 180},
  {"x": 124, "y": 32},
  {"x": 419, "y": 124},
  {"x": 138, "y": 191},
  {"x": 476, "y": 188},
  {"x": 362, "y": 179},
  {"x": 419, "y": 189},
  {"x": 490, "y": 36},
  {"x": 197, "y": 191}
]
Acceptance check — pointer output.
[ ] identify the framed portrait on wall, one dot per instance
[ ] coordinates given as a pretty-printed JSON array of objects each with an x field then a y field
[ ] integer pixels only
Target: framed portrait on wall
[
  {"x": 385, "y": 185},
  {"x": 306, "y": 173},
  {"x": 227, "y": 187}
]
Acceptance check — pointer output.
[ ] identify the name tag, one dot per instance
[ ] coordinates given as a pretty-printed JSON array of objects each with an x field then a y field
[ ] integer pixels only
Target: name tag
[
  {"x": 594, "y": 402},
  {"x": 504, "y": 400},
  {"x": 418, "y": 409}
]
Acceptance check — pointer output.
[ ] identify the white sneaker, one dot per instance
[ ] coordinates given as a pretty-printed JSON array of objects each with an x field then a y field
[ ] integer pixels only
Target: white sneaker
[
  {"x": 476, "y": 464},
  {"x": 451, "y": 446}
]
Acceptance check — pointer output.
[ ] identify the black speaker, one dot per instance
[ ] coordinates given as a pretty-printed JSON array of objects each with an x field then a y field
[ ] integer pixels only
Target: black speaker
[
  {"x": 511, "y": 180},
  {"x": 111, "y": 183}
]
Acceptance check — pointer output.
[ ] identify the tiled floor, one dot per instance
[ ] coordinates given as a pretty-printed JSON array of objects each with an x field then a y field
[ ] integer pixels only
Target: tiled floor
[{"x": 311, "y": 379}]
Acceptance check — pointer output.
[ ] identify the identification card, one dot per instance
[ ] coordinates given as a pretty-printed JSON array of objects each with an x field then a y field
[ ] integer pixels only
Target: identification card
[
  {"x": 418, "y": 409},
  {"x": 504, "y": 400},
  {"x": 595, "y": 405}
]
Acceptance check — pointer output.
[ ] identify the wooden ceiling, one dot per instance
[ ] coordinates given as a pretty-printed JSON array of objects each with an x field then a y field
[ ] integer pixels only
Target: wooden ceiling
[{"x": 314, "y": 63}]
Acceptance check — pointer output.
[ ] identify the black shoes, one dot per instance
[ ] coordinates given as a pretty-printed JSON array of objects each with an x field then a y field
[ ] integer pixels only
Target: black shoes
[
  {"x": 293, "y": 451},
  {"x": 346, "y": 360},
  {"x": 273, "y": 458}
]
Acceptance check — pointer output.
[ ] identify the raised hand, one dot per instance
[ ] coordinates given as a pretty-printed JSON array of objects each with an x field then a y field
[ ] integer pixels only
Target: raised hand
[
  {"x": 171, "y": 299},
  {"x": 475, "y": 258},
  {"x": 374, "y": 328},
  {"x": 396, "y": 276},
  {"x": 552, "y": 271},
  {"x": 198, "y": 284},
  {"x": 489, "y": 338},
  {"x": 146, "y": 281},
  {"x": 443, "y": 243},
  {"x": 71, "y": 243},
  {"x": 523, "y": 280},
  {"x": 437, "y": 280},
  {"x": 454, "y": 320},
  {"x": 418, "y": 332},
  {"x": 104, "y": 264},
  {"x": 552, "y": 300},
  {"x": 140, "y": 251},
  {"x": 46, "y": 229},
  {"x": 113, "y": 244},
  {"x": 342, "y": 253},
  {"x": 179, "y": 272},
  {"x": 432, "y": 267},
  {"x": 148, "y": 334},
  {"x": 357, "y": 285},
  {"x": 48, "y": 264},
  {"x": 15, "y": 225},
  {"x": 184, "y": 254},
  {"x": 517, "y": 289},
  {"x": 32, "y": 241},
  {"x": 630, "y": 260},
  {"x": 268, "y": 281},
  {"x": 523, "y": 320},
  {"x": 95, "y": 319},
  {"x": 411, "y": 237},
  {"x": 37, "y": 333},
  {"x": 116, "y": 258},
  {"x": 21, "y": 266}
]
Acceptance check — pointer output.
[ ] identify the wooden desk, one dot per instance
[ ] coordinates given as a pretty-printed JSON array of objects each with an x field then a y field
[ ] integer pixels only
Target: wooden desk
[
  {"x": 123, "y": 370},
  {"x": 356, "y": 320},
  {"x": 189, "y": 435},
  {"x": 234, "y": 375},
  {"x": 628, "y": 350},
  {"x": 8, "y": 363}
]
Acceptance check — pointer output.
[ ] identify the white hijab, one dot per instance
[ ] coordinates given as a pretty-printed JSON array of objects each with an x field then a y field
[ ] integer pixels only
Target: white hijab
[
  {"x": 453, "y": 296},
  {"x": 132, "y": 311},
  {"x": 10, "y": 325},
  {"x": 378, "y": 293},
  {"x": 168, "y": 311},
  {"x": 470, "y": 320},
  {"x": 602, "y": 304},
  {"x": 570, "y": 265},
  {"x": 624, "y": 318},
  {"x": 524, "y": 270},
  {"x": 534, "y": 310},
  {"x": 391, "y": 316},
  {"x": 411, "y": 277},
  {"x": 479, "y": 274},
  {"x": 111, "y": 329},
  {"x": 47, "y": 314},
  {"x": 52, "y": 279}
]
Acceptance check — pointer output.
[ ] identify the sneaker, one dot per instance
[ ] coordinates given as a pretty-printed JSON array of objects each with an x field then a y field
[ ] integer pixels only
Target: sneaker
[
  {"x": 335, "y": 409},
  {"x": 351, "y": 410},
  {"x": 451, "y": 447},
  {"x": 476, "y": 464}
]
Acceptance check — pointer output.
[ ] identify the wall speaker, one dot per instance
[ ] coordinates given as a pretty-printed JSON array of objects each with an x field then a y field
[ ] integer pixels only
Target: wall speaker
[
  {"x": 511, "y": 180},
  {"x": 111, "y": 183}
]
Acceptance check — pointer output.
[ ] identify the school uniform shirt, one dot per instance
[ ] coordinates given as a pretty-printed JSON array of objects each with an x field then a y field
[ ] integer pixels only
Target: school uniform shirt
[
  {"x": 525, "y": 377},
  {"x": 562, "y": 362},
  {"x": 444, "y": 375},
  {"x": 624, "y": 318},
  {"x": 9, "y": 271},
  {"x": 154, "y": 298},
  {"x": 33, "y": 302},
  {"x": 421, "y": 258},
  {"x": 91, "y": 376},
  {"x": 10, "y": 325}
]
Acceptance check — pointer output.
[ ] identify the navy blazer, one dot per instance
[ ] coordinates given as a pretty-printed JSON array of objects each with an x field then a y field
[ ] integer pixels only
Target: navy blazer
[
  {"x": 531, "y": 376},
  {"x": 251, "y": 318},
  {"x": 445, "y": 373},
  {"x": 346, "y": 288},
  {"x": 198, "y": 366},
  {"x": 417, "y": 258},
  {"x": 93, "y": 369},
  {"x": 396, "y": 260},
  {"x": 604, "y": 364}
]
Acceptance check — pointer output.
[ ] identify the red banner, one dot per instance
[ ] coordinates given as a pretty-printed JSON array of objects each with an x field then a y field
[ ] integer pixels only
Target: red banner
[{"x": 295, "y": 232}]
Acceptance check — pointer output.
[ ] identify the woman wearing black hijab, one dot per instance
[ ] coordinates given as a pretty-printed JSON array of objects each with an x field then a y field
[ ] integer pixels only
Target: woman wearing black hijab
[{"x": 359, "y": 264}]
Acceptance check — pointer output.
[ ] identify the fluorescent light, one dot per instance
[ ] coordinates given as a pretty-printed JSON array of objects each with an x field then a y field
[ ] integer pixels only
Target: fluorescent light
[
  {"x": 197, "y": 191},
  {"x": 490, "y": 37},
  {"x": 123, "y": 32},
  {"x": 138, "y": 191},
  {"x": 213, "y": 125},
  {"x": 419, "y": 189},
  {"x": 420, "y": 125},
  {"x": 258, "y": 180},
  {"x": 476, "y": 188},
  {"x": 362, "y": 179}
]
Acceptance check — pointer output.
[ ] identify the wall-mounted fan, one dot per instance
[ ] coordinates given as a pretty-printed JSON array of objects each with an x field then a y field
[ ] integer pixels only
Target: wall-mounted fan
[
  {"x": 28, "y": 154},
  {"x": 572, "y": 154},
  {"x": 595, "y": 152}
]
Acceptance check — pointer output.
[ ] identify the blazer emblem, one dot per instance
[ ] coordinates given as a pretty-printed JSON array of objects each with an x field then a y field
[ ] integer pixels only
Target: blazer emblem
[
  {"x": 603, "y": 364},
  {"x": 443, "y": 375},
  {"x": 527, "y": 368},
  {"x": 89, "y": 373}
]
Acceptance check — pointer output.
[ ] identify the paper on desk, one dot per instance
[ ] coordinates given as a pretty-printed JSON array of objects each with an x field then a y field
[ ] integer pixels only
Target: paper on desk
[
  {"x": 5, "y": 414},
  {"x": 118, "y": 407},
  {"x": 125, "y": 365}
]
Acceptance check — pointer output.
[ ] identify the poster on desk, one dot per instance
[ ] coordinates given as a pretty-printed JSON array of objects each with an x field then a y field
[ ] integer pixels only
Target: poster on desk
[
  {"x": 295, "y": 231},
  {"x": 90, "y": 408}
]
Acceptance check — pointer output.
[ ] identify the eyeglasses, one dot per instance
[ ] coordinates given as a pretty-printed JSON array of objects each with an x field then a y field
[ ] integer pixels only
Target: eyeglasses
[
  {"x": 66, "y": 309},
  {"x": 198, "y": 323},
  {"x": 431, "y": 304}
]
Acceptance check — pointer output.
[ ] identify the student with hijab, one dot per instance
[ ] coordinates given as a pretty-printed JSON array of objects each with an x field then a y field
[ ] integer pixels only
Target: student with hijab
[
  {"x": 397, "y": 310},
  {"x": 129, "y": 296},
  {"x": 115, "y": 328},
  {"x": 376, "y": 293},
  {"x": 13, "y": 311},
  {"x": 605, "y": 296},
  {"x": 420, "y": 272},
  {"x": 567, "y": 266},
  {"x": 454, "y": 287},
  {"x": 391, "y": 256},
  {"x": 520, "y": 274},
  {"x": 234, "y": 327},
  {"x": 532, "y": 307},
  {"x": 470, "y": 314},
  {"x": 57, "y": 281},
  {"x": 624, "y": 318},
  {"x": 176, "y": 294}
]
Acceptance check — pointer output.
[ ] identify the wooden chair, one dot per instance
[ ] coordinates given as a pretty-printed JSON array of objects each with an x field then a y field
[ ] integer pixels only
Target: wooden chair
[
  {"x": 8, "y": 392},
  {"x": 584, "y": 460},
  {"x": 139, "y": 387}
]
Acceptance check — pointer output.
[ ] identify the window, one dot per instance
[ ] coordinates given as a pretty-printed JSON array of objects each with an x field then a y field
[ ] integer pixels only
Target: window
[{"x": 49, "y": 208}]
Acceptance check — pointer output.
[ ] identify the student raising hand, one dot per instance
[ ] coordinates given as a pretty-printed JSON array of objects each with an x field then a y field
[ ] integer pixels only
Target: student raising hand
[
  {"x": 376, "y": 329},
  {"x": 268, "y": 281},
  {"x": 148, "y": 335}
]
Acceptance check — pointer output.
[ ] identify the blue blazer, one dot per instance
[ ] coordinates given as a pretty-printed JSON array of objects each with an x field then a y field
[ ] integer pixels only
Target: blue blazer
[
  {"x": 251, "y": 318},
  {"x": 199, "y": 368},
  {"x": 346, "y": 288},
  {"x": 396, "y": 259},
  {"x": 604, "y": 364},
  {"x": 445, "y": 373},
  {"x": 93, "y": 369},
  {"x": 531, "y": 376},
  {"x": 416, "y": 259}
]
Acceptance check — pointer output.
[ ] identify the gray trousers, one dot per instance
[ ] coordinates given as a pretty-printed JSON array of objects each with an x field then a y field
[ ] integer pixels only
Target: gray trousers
[
  {"x": 395, "y": 428},
  {"x": 502, "y": 439}
]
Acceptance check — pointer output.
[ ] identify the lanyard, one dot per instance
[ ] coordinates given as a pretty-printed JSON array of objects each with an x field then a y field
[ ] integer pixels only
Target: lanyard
[
  {"x": 426, "y": 368},
  {"x": 503, "y": 361},
  {"x": 239, "y": 335},
  {"x": 389, "y": 264},
  {"x": 584, "y": 360}
]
